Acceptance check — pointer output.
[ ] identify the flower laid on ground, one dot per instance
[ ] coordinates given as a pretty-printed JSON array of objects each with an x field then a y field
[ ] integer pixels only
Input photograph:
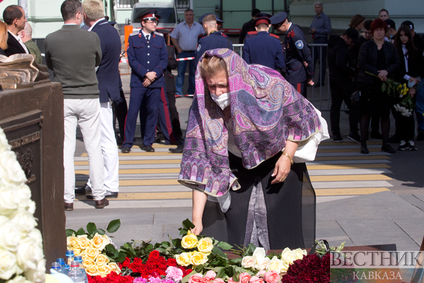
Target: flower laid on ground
[
  {"x": 91, "y": 245},
  {"x": 112, "y": 277},
  {"x": 21, "y": 248},
  {"x": 310, "y": 269},
  {"x": 196, "y": 251}
]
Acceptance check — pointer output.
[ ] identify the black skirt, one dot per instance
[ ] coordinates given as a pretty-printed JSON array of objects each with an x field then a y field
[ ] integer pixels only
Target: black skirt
[{"x": 290, "y": 207}]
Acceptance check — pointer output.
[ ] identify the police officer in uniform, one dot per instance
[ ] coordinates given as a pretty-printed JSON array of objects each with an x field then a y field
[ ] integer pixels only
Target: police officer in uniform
[
  {"x": 214, "y": 38},
  {"x": 299, "y": 65},
  {"x": 148, "y": 58},
  {"x": 262, "y": 47}
]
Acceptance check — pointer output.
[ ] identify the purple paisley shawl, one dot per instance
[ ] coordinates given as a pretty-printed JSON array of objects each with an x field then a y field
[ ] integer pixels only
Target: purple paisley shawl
[{"x": 266, "y": 111}]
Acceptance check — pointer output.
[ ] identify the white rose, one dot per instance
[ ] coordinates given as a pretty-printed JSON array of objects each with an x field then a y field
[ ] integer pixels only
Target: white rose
[
  {"x": 7, "y": 202},
  {"x": 19, "y": 279},
  {"x": 37, "y": 275},
  {"x": 31, "y": 207},
  {"x": 248, "y": 262},
  {"x": 288, "y": 256},
  {"x": 262, "y": 264},
  {"x": 24, "y": 220},
  {"x": 29, "y": 254},
  {"x": 276, "y": 265},
  {"x": 299, "y": 253},
  {"x": 11, "y": 169},
  {"x": 35, "y": 235},
  {"x": 8, "y": 266},
  {"x": 22, "y": 196},
  {"x": 10, "y": 236},
  {"x": 3, "y": 219},
  {"x": 4, "y": 144}
]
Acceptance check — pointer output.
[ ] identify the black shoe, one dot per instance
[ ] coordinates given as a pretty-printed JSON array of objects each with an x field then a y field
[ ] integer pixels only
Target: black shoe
[
  {"x": 420, "y": 136},
  {"x": 69, "y": 206},
  {"x": 83, "y": 190},
  {"x": 178, "y": 149},
  {"x": 160, "y": 139},
  {"x": 148, "y": 148},
  {"x": 99, "y": 204},
  {"x": 126, "y": 149},
  {"x": 107, "y": 195},
  {"x": 364, "y": 148},
  {"x": 394, "y": 139},
  {"x": 337, "y": 137},
  {"x": 353, "y": 136},
  {"x": 376, "y": 135},
  {"x": 388, "y": 148}
]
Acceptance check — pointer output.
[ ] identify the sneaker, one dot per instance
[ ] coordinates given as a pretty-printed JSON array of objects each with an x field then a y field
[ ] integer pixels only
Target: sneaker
[
  {"x": 337, "y": 137},
  {"x": 411, "y": 145},
  {"x": 388, "y": 148},
  {"x": 353, "y": 136},
  {"x": 402, "y": 145}
]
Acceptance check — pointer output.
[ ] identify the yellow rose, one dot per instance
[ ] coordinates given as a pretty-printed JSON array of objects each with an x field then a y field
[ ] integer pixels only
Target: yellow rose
[
  {"x": 205, "y": 245},
  {"x": 189, "y": 241},
  {"x": 114, "y": 267},
  {"x": 87, "y": 262},
  {"x": 91, "y": 253},
  {"x": 92, "y": 270},
  {"x": 100, "y": 241},
  {"x": 77, "y": 251},
  {"x": 198, "y": 258},
  {"x": 72, "y": 242},
  {"x": 183, "y": 259},
  {"x": 103, "y": 270},
  {"x": 101, "y": 259},
  {"x": 83, "y": 241}
]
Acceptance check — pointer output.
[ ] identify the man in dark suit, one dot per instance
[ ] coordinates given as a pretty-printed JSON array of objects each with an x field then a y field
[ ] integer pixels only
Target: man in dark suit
[
  {"x": 14, "y": 17},
  {"x": 108, "y": 77}
]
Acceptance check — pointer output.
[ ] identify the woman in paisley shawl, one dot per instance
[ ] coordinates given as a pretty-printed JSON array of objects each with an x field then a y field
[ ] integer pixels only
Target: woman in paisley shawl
[{"x": 245, "y": 128}]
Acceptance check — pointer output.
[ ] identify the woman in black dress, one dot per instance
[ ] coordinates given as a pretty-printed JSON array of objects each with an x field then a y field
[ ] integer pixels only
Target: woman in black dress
[{"x": 380, "y": 58}]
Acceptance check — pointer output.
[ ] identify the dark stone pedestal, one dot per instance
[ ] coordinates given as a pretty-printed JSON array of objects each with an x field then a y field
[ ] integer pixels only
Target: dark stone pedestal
[{"x": 32, "y": 119}]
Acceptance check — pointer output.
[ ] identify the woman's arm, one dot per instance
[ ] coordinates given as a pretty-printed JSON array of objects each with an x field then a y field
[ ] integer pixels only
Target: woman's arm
[
  {"x": 199, "y": 202},
  {"x": 283, "y": 165}
]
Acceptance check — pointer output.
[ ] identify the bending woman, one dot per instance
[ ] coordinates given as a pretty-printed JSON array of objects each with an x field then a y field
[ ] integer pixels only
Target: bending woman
[{"x": 245, "y": 126}]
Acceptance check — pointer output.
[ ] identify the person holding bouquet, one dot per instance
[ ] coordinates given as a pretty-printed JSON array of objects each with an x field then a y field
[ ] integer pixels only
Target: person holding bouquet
[
  {"x": 246, "y": 128},
  {"x": 410, "y": 72},
  {"x": 378, "y": 60}
]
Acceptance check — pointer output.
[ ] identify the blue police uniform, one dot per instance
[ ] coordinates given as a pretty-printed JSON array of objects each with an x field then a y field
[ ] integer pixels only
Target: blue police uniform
[
  {"x": 297, "y": 52},
  {"x": 215, "y": 39},
  {"x": 145, "y": 56},
  {"x": 265, "y": 49}
]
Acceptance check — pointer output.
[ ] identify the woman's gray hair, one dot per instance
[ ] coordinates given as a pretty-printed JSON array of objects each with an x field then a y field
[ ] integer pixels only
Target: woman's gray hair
[{"x": 319, "y": 3}]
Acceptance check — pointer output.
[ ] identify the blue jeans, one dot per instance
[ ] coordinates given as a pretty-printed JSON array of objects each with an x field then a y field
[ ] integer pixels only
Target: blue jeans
[{"x": 182, "y": 66}]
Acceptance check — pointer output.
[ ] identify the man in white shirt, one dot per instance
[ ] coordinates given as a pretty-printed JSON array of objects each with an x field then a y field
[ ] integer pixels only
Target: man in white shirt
[
  {"x": 14, "y": 17},
  {"x": 184, "y": 37}
]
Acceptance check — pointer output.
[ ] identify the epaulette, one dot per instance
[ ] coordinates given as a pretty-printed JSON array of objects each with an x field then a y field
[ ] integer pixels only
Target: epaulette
[
  {"x": 252, "y": 32},
  {"x": 274, "y": 35},
  {"x": 224, "y": 35},
  {"x": 158, "y": 33},
  {"x": 134, "y": 33}
]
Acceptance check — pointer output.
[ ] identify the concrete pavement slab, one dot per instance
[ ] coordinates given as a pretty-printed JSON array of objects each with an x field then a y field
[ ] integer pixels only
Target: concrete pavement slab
[
  {"x": 331, "y": 231},
  {"x": 413, "y": 227}
]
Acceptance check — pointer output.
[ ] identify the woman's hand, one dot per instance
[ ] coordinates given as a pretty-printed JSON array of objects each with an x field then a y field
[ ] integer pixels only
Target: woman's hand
[
  {"x": 281, "y": 170},
  {"x": 199, "y": 202},
  {"x": 412, "y": 91},
  {"x": 382, "y": 74},
  {"x": 198, "y": 228}
]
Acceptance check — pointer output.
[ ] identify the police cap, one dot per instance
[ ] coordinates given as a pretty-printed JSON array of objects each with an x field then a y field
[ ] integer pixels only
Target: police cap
[
  {"x": 150, "y": 15},
  {"x": 279, "y": 18}
]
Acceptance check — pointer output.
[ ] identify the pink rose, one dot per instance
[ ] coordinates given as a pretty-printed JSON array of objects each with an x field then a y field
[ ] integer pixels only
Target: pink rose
[
  {"x": 271, "y": 277},
  {"x": 218, "y": 280},
  {"x": 196, "y": 278},
  {"x": 209, "y": 276},
  {"x": 174, "y": 273},
  {"x": 244, "y": 277},
  {"x": 255, "y": 279},
  {"x": 230, "y": 280}
]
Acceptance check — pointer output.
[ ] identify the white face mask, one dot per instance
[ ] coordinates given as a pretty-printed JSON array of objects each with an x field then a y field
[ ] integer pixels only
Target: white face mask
[{"x": 222, "y": 100}]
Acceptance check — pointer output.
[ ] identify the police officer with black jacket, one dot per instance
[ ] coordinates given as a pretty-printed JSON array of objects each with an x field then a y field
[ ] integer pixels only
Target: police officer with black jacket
[{"x": 299, "y": 65}]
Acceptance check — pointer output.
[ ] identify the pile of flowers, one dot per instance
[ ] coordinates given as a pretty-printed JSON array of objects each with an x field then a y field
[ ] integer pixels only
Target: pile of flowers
[
  {"x": 21, "y": 250},
  {"x": 195, "y": 251},
  {"x": 91, "y": 245}
]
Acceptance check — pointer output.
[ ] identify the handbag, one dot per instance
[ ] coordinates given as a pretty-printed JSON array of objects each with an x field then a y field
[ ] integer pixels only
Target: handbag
[{"x": 355, "y": 97}]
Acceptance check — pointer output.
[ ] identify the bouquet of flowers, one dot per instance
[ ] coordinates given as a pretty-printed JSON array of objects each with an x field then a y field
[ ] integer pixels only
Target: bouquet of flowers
[
  {"x": 91, "y": 245},
  {"x": 21, "y": 250}
]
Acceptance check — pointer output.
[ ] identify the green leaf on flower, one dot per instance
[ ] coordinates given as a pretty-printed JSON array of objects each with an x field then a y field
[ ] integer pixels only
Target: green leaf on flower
[
  {"x": 217, "y": 251},
  {"x": 236, "y": 277},
  {"x": 100, "y": 231},
  {"x": 250, "y": 249},
  {"x": 383, "y": 87},
  {"x": 110, "y": 248},
  {"x": 121, "y": 257},
  {"x": 185, "y": 278},
  {"x": 70, "y": 232},
  {"x": 235, "y": 261},
  {"x": 80, "y": 232},
  {"x": 165, "y": 244},
  {"x": 188, "y": 225},
  {"x": 91, "y": 228},
  {"x": 224, "y": 246},
  {"x": 113, "y": 226}
]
